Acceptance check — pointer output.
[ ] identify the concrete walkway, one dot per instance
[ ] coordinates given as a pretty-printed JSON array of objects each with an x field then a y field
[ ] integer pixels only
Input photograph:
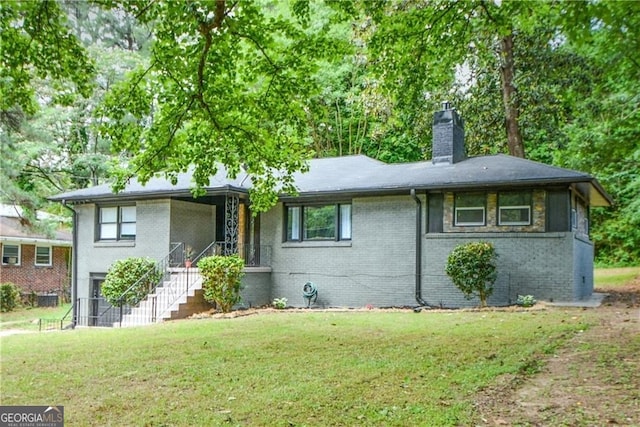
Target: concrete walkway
[{"x": 592, "y": 302}]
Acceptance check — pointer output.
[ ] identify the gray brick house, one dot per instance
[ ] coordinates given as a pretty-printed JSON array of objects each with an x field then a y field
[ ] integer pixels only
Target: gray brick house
[{"x": 362, "y": 231}]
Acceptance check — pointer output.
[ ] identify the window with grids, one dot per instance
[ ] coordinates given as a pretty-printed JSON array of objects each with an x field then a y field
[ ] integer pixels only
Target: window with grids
[
  {"x": 514, "y": 208},
  {"x": 470, "y": 209},
  {"x": 117, "y": 223},
  {"x": 10, "y": 254},
  {"x": 43, "y": 255},
  {"x": 318, "y": 222}
]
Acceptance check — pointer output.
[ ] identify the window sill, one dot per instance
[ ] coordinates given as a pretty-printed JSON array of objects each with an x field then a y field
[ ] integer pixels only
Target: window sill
[
  {"x": 321, "y": 244},
  {"x": 116, "y": 244}
]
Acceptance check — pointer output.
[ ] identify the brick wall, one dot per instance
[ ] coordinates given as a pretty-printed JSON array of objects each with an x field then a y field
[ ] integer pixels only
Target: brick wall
[
  {"x": 538, "y": 264},
  {"x": 377, "y": 266},
  {"x": 39, "y": 279}
]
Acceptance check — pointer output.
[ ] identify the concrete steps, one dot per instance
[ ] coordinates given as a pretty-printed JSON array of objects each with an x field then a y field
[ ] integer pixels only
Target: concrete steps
[{"x": 177, "y": 298}]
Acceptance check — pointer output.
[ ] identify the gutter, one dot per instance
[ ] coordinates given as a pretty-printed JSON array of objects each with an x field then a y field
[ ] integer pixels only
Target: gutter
[
  {"x": 74, "y": 264},
  {"x": 422, "y": 302}
]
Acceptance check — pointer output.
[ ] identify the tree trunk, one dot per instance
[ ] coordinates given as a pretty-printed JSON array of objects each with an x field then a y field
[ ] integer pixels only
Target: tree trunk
[{"x": 509, "y": 98}]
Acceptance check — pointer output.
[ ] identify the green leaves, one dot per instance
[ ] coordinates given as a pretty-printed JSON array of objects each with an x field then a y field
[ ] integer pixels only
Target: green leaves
[
  {"x": 472, "y": 269},
  {"x": 221, "y": 280},
  {"x": 227, "y": 85},
  {"x": 37, "y": 43},
  {"x": 130, "y": 280}
]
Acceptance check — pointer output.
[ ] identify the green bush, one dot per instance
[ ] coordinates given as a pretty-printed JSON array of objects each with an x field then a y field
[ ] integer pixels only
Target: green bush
[
  {"x": 9, "y": 297},
  {"x": 280, "y": 303},
  {"x": 123, "y": 274},
  {"x": 221, "y": 280},
  {"x": 472, "y": 268},
  {"x": 526, "y": 301}
]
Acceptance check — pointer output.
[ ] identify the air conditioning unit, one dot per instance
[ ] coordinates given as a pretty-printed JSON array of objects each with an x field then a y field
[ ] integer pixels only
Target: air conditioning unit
[{"x": 12, "y": 260}]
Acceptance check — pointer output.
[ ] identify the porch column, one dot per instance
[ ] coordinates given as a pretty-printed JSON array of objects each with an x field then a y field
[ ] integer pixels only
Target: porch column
[{"x": 231, "y": 224}]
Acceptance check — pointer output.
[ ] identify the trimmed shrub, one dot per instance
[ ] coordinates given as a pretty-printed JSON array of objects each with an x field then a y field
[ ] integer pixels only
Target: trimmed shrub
[
  {"x": 221, "y": 280},
  {"x": 472, "y": 268},
  {"x": 9, "y": 297},
  {"x": 124, "y": 273}
]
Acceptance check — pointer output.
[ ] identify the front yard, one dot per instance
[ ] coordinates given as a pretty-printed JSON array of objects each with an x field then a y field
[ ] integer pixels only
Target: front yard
[
  {"x": 539, "y": 366},
  {"x": 284, "y": 368}
]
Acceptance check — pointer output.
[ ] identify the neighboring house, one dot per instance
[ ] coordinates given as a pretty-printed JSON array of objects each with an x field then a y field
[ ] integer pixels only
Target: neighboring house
[
  {"x": 38, "y": 263},
  {"x": 364, "y": 232}
]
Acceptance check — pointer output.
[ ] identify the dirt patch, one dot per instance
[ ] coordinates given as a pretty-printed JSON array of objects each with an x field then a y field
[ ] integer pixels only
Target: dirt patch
[{"x": 593, "y": 380}]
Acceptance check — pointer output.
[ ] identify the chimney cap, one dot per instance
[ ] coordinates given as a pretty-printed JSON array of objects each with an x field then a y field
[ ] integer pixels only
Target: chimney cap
[{"x": 446, "y": 105}]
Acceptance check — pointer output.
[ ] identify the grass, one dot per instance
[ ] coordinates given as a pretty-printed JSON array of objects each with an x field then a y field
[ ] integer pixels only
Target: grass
[
  {"x": 27, "y": 318},
  {"x": 615, "y": 277},
  {"x": 285, "y": 368}
]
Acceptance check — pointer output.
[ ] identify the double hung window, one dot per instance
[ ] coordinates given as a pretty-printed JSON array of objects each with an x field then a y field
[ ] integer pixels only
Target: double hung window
[
  {"x": 43, "y": 255},
  {"x": 10, "y": 254},
  {"x": 117, "y": 223},
  {"x": 470, "y": 209},
  {"x": 318, "y": 222},
  {"x": 514, "y": 208}
]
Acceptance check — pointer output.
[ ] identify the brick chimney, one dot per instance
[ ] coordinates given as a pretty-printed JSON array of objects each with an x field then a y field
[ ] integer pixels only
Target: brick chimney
[{"x": 448, "y": 136}]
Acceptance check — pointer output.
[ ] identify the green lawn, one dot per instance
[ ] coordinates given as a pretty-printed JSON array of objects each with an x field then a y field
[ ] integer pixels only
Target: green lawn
[
  {"x": 284, "y": 368},
  {"x": 613, "y": 277},
  {"x": 27, "y": 318}
]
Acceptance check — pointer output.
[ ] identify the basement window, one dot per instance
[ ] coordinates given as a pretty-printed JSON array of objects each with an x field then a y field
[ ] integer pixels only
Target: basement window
[
  {"x": 470, "y": 209},
  {"x": 318, "y": 222},
  {"x": 10, "y": 254},
  {"x": 514, "y": 208}
]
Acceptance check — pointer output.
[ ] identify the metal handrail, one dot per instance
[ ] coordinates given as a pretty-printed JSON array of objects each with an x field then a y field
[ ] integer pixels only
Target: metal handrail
[
  {"x": 159, "y": 266},
  {"x": 163, "y": 295}
]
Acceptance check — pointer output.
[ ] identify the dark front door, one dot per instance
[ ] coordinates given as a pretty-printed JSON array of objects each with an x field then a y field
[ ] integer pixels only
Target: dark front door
[{"x": 94, "y": 302}]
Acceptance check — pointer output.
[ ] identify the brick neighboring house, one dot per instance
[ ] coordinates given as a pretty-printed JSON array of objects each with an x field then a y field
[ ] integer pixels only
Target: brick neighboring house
[
  {"x": 362, "y": 231},
  {"x": 39, "y": 264}
]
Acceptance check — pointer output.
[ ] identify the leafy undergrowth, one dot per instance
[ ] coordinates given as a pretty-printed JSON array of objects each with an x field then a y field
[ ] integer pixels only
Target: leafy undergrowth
[{"x": 284, "y": 368}]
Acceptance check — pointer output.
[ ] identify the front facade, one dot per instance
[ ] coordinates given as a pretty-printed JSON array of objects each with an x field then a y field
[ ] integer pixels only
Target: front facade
[
  {"x": 39, "y": 264},
  {"x": 363, "y": 232}
]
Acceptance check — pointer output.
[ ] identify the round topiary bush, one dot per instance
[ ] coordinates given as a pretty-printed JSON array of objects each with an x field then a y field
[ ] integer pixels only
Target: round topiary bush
[
  {"x": 9, "y": 297},
  {"x": 472, "y": 268},
  {"x": 141, "y": 273}
]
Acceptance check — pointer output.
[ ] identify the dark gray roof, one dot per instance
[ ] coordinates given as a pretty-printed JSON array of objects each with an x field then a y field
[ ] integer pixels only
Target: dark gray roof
[{"x": 352, "y": 175}]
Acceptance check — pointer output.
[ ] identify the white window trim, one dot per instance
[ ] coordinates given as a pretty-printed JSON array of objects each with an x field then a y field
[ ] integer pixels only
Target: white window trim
[
  {"x": 501, "y": 208},
  {"x": 35, "y": 256},
  {"x": 471, "y": 208},
  {"x": 18, "y": 261}
]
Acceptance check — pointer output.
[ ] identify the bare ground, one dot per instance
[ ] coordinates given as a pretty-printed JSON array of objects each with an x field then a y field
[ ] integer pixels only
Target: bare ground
[{"x": 594, "y": 380}]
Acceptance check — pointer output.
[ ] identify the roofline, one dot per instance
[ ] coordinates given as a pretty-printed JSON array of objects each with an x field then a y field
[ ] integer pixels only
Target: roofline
[
  {"x": 142, "y": 195},
  {"x": 33, "y": 240},
  {"x": 349, "y": 192},
  {"x": 400, "y": 190}
]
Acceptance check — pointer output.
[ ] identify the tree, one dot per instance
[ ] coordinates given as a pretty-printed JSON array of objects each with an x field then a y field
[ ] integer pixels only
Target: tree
[
  {"x": 36, "y": 42},
  {"x": 472, "y": 269},
  {"x": 227, "y": 85},
  {"x": 54, "y": 147}
]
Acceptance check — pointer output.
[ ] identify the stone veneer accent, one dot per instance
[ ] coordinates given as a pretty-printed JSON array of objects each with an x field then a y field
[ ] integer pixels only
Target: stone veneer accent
[{"x": 537, "y": 223}]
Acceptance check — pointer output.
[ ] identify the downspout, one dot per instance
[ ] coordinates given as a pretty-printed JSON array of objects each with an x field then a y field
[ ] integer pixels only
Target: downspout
[
  {"x": 74, "y": 264},
  {"x": 423, "y": 303}
]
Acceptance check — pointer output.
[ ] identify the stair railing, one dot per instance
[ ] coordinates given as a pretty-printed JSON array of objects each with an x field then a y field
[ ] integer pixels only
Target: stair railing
[{"x": 161, "y": 266}]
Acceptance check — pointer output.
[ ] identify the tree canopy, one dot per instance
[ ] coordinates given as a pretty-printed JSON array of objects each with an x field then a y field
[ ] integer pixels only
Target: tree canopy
[{"x": 108, "y": 90}]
